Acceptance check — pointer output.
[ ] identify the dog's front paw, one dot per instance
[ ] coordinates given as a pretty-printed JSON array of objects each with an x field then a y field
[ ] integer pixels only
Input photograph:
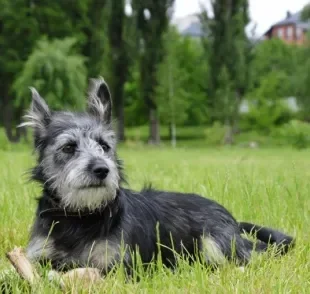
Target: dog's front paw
[
  {"x": 53, "y": 276},
  {"x": 76, "y": 278}
]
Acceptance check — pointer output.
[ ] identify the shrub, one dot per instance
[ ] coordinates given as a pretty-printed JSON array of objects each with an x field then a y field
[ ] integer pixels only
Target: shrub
[
  {"x": 263, "y": 117},
  {"x": 215, "y": 134},
  {"x": 295, "y": 133}
]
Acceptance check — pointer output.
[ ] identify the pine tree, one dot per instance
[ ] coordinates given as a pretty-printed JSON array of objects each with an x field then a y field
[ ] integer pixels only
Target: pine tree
[
  {"x": 120, "y": 33},
  {"x": 229, "y": 59},
  {"x": 152, "y": 18}
]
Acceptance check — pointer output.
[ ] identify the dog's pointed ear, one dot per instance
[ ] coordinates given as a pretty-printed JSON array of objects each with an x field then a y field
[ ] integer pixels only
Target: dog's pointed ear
[
  {"x": 99, "y": 100},
  {"x": 39, "y": 114}
]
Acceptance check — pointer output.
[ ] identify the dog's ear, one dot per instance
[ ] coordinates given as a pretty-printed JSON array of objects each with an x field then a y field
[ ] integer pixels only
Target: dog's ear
[
  {"x": 99, "y": 100},
  {"x": 38, "y": 116}
]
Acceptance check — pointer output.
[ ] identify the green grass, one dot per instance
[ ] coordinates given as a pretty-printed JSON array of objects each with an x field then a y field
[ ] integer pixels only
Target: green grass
[{"x": 270, "y": 187}]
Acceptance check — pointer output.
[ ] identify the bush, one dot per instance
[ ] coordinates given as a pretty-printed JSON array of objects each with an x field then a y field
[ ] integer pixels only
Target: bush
[
  {"x": 263, "y": 117},
  {"x": 6, "y": 145},
  {"x": 215, "y": 134},
  {"x": 4, "y": 142},
  {"x": 295, "y": 133}
]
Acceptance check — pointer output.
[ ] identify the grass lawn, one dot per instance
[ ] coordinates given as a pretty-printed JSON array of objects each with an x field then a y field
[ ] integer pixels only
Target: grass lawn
[{"x": 269, "y": 187}]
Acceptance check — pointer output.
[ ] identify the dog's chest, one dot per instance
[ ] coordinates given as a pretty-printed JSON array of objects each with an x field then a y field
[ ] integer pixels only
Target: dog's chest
[
  {"x": 99, "y": 253},
  {"x": 73, "y": 245}
]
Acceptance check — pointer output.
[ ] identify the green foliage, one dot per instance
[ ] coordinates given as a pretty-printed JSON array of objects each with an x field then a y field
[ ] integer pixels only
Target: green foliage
[
  {"x": 150, "y": 67},
  {"x": 215, "y": 134},
  {"x": 224, "y": 95},
  {"x": 274, "y": 63},
  {"x": 265, "y": 114},
  {"x": 192, "y": 62},
  {"x": 173, "y": 97},
  {"x": 18, "y": 32},
  {"x": 6, "y": 145},
  {"x": 296, "y": 133},
  {"x": 135, "y": 108},
  {"x": 57, "y": 72},
  {"x": 152, "y": 21},
  {"x": 274, "y": 73},
  {"x": 301, "y": 80},
  {"x": 229, "y": 51},
  {"x": 306, "y": 12}
]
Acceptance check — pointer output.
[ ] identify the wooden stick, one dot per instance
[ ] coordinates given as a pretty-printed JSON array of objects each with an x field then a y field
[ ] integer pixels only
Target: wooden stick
[
  {"x": 83, "y": 277},
  {"x": 22, "y": 265}
]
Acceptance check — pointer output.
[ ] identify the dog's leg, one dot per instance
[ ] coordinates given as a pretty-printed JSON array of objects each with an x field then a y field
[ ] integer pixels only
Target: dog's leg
[{"x": 226, "y": 246}]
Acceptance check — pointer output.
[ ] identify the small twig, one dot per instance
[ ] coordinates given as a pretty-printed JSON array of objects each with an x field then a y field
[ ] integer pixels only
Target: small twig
[{"x": 22, "y": 265}]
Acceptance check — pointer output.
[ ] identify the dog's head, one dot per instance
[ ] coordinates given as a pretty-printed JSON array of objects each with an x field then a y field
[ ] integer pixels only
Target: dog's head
[{"x": 77, "y": 160}]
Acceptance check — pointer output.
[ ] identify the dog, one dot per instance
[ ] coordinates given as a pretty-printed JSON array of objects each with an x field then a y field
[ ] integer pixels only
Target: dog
[{"x": 85, "y": 217}]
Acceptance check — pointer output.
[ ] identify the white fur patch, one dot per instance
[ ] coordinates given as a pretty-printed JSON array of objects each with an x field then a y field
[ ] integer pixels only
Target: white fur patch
[
  {"x": 212, "y": 251},
  {"x": 91, "y": 198},
  {"x": 40, "y": 247},
  {"x": 102, "y": 254}
]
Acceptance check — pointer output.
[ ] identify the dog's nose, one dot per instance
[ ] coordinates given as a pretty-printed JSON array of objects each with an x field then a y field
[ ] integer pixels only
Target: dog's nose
[{"x": 100, "y": 171}]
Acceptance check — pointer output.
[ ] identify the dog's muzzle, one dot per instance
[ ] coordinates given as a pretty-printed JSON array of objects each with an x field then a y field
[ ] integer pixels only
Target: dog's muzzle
[{"x": 99, "y": 170}]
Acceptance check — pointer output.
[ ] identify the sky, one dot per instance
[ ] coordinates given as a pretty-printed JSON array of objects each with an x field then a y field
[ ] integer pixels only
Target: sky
[{"x": 263, "y": 12}]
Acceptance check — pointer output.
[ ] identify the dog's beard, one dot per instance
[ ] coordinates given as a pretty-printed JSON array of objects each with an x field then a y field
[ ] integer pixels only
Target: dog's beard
[
  {"x": 90, "y": 198},
  {"x": 77, "y": 189}
]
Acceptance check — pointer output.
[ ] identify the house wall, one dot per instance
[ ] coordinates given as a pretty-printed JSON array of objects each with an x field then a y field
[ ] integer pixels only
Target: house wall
[{"x": 288, "y": 33}]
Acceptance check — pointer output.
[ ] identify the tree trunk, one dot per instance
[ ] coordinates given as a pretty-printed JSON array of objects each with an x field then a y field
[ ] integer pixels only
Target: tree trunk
[
  {"x": 154, "y": 127},
  {"x": 13, "y": 133},
  {"x": 120, "y": 129},
  {"x": 232, "y": 121},
  {"x": 172, "y": 133},
  {"x": 8, "y": 122},
  {"x": 120, "y": 61},
  {"x": 235, "y": 122},
  {"x": 229, "y": 135},
  {"x": 119, "y": 79}
]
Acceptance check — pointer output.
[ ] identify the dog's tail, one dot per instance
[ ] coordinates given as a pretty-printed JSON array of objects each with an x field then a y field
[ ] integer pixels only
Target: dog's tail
[{"x": 267, "y": 235}]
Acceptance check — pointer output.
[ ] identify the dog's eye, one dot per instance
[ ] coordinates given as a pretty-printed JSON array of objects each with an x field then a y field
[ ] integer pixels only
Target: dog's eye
[
  {"x": 104, "y": 145},
  {"x": 69, "y": 148}
]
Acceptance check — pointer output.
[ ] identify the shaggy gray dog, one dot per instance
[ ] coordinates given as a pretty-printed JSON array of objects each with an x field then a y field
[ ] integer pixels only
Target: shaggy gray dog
[{"x": 86, "y": 218}]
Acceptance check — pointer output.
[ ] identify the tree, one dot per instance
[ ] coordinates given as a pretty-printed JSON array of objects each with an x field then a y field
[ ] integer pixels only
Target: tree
[
  {"x": 18, "y": 32},
  {"x": 301, "y": 80},
  {"x": 92, "y": 33},
  {"x": 171, "y": 96},
  {"x": 228, "y": 58},
  {"x": 266, "y": 102},
  {"x": 152, "y": 18},
  {"x": 179, "y": 93},
  {"x": 306, "y": 12},
  {"x": 272, "y": 56},
  {"x": 57, "y": 71},
  {"x": 21, "y": 28},
  {"x": 120, "y": 48}
]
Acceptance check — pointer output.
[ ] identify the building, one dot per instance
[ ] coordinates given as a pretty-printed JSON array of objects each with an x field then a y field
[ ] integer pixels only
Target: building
[
  {"x": 188, "y": 25},
  {"x": 292, "y": 29}
]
